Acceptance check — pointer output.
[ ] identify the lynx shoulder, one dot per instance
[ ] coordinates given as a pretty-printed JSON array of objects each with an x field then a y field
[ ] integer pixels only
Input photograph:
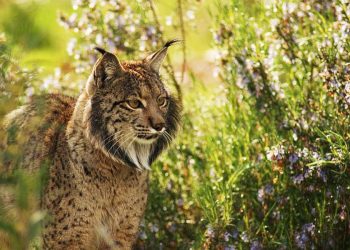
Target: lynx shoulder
[
  {"x": 36, "y": 126},
  {"x": 99, "y": 148}
]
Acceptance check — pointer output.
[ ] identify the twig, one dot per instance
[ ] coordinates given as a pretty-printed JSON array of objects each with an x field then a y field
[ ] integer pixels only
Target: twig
[
  {"x": 183, "y": 34},
  {"x": 169, "y": 68}
]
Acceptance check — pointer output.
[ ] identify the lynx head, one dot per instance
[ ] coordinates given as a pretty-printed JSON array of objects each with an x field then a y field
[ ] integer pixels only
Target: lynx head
[{"x": 130, "y": 115}]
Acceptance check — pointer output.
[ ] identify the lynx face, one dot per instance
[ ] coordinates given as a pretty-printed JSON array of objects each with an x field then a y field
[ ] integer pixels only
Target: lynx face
[{"x": 132, "y": 117}]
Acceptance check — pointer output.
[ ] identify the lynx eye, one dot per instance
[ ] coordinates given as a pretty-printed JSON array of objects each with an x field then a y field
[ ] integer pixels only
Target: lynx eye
[
  {"x": 162, "y": 101},
  {"x": 134, "y": 104}
]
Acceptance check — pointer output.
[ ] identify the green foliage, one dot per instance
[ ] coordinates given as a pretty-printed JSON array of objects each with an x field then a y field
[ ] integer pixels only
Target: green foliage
[
  {"x": 28, "y": 34},
  {"x": 20, "y": 219},
  {"x": 270, "y": 170},
  {"x": 262, "y": 159}
]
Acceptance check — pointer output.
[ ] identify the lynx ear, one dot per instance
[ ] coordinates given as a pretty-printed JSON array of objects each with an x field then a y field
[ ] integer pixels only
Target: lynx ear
[
  {"x": 156, "y": 59},
  {"x": 106, "y": 66}
]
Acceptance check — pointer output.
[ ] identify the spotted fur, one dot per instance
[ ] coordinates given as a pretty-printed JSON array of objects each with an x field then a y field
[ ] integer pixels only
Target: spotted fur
[{"x": 99, "y": 148}]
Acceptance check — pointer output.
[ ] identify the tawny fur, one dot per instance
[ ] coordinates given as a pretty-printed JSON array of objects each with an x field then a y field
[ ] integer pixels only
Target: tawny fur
[{"x": 96, "y": 194}]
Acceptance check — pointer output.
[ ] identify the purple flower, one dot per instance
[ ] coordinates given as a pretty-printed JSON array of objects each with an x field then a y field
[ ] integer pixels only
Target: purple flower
[
  {"x": 261, "y": 194},
  {"x": 342, "y": 215},
  {"x": 309, "y": 228},
  {"x": 235, "y": 234},
  {"x": 210, "y": 232},
  {"x": 301, "y": 239},
  {"x": 245, "y": 237},
  {"x": 256, "y": 245},
  {"x": 265, "y": 191},
  {"x": 293, "y": 158},
  {"x": 311, "y": 188},
  {"x": 277, "y": 152},
  {"x": 180, "y": 202},
  {"x": 151, "y": 30},
  {"x": 227, "y": 236},
  {"x": 154, "y": 228},
  {"x": 269, "y": 189},
  {"x": 322, "y": 174},
  {"x": 298, "y": 179},
  {"x": 276, "y": 215}
]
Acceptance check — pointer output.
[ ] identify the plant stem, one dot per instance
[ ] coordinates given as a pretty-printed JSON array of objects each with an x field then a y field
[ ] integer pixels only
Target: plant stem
[
  {"x": 183, "y": 34},
  {"x": 169, "y": 67}
]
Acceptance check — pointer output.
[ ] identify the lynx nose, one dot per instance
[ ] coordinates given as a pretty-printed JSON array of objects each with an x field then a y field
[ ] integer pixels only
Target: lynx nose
[{"x": 157, "y": 124}]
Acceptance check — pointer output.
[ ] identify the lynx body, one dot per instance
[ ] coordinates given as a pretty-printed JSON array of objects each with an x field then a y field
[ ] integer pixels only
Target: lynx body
[{"x": 99, "y": 149}]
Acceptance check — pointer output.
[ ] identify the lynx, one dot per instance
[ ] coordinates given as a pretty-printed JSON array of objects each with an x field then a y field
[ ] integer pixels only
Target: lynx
[{"x": 100, "y": 148}]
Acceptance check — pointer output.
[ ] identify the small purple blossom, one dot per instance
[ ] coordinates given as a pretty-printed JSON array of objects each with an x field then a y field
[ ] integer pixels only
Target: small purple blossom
[
  {"x": 210, "y": 232},
  {"x": 322, "y": 174},
  {"x": 235, "y": 234},
  {"x": 261, "y": 194},
  {"x": 301, "y": 240},
  {"x": 180, "y": 202},
  {"x": 276, "y": 153},
  {"x": 342, "y": 215},
  {"x": 256, "y": 245},
  {"x": 269, "y": 189},
  {"x": 154, "y": 228},
  {"x": 265, "y": 191},
  {"x": 298, "y": 179},
  {"x": 293, "y": 158},
  {"x": 309, "y": 228},
  {"x": 245, "y": 237},
  {"x": 276, "y": 215},
  {"x": 227, "y": 236}
]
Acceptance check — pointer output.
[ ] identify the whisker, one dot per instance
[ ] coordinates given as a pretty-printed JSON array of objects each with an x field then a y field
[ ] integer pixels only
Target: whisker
[
  {"x": 132, "y": 140},
  {"x": 116, "y": 141},
  {"x": 108, "y": 137},
  {"x": 168, "y": 138},
  {"x": 119, "y": 141},
  {"x": 127, "y": 137}
]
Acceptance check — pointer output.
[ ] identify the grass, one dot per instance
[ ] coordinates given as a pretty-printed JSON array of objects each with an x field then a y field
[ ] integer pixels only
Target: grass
[{"x": 262, "y": 159}]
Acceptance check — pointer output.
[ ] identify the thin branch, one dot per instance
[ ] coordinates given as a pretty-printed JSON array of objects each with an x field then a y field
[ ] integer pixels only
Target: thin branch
[
  {"x": 183, "y": 34},
  {"x": 169, "y": 68}
]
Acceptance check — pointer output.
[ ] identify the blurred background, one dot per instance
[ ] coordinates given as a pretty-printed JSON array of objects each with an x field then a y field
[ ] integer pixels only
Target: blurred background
[
  {"x": 262, "y": 160},
  {"x": 38, "y": 38}
]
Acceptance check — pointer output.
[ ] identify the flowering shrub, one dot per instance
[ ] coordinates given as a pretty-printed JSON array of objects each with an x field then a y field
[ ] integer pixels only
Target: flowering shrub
[
  {"x": 21, "y": 222},
  {"x": 287, "y": 63},
  {"x": 262, "y": 161},
  {"x": 130, "y": 28}
]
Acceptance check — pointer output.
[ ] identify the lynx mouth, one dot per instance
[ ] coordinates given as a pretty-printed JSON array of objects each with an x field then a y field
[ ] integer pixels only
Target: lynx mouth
[{"x": 146, "y": 137}]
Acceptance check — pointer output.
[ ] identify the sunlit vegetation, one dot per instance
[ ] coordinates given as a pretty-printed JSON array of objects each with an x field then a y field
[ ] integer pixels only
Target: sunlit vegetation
[{"x": 262, "y": 160}]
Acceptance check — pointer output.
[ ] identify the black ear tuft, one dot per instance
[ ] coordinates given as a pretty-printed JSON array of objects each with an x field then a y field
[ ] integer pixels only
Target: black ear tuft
[
  {"x": 156, "y": 59},
  {"x": 171, "y": 42},
  {"x": 102, "y": 51}
]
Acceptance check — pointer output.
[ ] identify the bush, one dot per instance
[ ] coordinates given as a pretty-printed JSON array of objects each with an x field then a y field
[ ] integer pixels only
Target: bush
[
  {"x": 20, "y": 219},
  {"x": 262, "y": 161},
  {"x": 264, "y": 166},
  {"x": 285, "y": 63}
]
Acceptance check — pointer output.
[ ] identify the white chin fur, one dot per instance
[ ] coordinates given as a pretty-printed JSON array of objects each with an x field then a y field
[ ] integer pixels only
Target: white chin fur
[
  {"x": 139, "y": 154},
  {"x": 144, "y": 141}
]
